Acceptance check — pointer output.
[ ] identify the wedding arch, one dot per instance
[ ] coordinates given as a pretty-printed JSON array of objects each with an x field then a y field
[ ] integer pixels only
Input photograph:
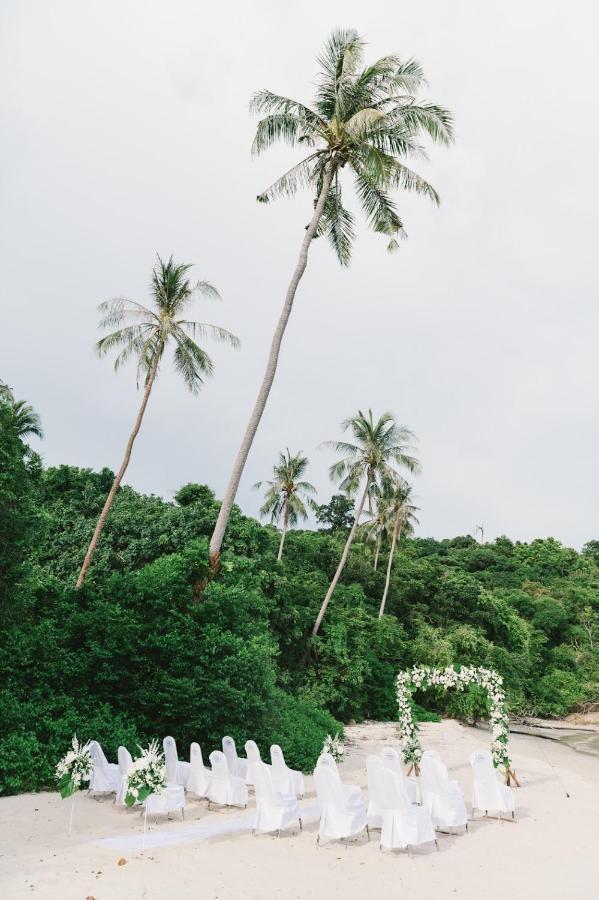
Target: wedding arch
[{"x": 459, "y": 678}]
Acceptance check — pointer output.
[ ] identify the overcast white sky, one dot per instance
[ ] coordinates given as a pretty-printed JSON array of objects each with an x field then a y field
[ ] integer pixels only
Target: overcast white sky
[{"x": 125, "y": 131}]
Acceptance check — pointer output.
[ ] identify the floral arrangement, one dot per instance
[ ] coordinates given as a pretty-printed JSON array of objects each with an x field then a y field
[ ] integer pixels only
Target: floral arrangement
[
  {"x": 334, "y": 746},
  {"x": 450, "y": 677},
  {"x": 146, "y": 775},
  {"x": 75, "y": 767}
]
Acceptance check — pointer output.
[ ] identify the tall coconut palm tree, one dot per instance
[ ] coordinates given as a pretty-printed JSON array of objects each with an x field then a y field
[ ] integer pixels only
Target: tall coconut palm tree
[
  {"x": 401, "y": 515},
  {"x": 367, "y": 121},
  {"x": 145, "y": 334},
  {"x": 26, "y": 421},
  {"x": 287, "y": 496},
  {"x": 379, "y": 446}
]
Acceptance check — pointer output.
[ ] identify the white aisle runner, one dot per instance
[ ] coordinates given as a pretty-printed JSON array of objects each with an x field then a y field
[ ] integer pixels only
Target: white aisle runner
[{"x": 187, "y": 833}]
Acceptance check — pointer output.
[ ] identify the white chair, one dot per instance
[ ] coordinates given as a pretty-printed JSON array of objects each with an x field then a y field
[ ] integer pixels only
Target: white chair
[
  {"x": 442, "y": 797},
  {"x": 253, "y": 761},
  {"x": 374, "y": 813},
  {"x": 124, "y": 764},
  {"x": 487, "y": 791},
  {"x": 106, "y": 776},
  {"x": 342, "y": 813},
  {"x": 237, "y": 766},
  {"x": 225, "y": 789},
  {"x": 198, "y": 782},
  {"x": 176, "y": 772},
  {"x": 391, "y": 760},
  {"x": 275, "y": 810},
  {"x": 170, "y": 800},
  {"x": 287, "y": 781},
  {"x": 328, "y": 761},
  {"x": 404, "y": 825}
]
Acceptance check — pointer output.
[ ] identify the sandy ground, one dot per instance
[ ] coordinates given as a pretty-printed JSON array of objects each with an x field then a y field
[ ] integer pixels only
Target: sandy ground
[{"x": 549, "y": 852}]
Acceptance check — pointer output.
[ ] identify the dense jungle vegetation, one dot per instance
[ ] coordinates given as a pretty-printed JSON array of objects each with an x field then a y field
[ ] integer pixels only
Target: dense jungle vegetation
[{"x": 147, "y": 648}]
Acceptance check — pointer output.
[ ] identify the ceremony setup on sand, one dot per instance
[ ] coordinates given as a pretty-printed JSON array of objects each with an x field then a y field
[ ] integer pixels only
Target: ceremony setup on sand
[
  {"x": 436, "y": 837},
  {"x": 299, "y": 563}
]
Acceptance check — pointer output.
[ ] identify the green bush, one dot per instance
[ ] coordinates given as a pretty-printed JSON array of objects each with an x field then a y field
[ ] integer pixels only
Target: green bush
[
  {"x": 557, "y": 693},
  {"x": 299, "y": 727}
]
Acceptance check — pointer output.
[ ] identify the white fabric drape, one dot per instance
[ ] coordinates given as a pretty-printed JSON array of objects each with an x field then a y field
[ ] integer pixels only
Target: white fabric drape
[
  {"x": 177, "y": 772},
  {"x": 404, "y": 824},
  {"x": 487, "y": 790},
  {"x": 390, "y": 758},
  {"x": 124, "y": 763},
  {"x": 237, "y": 766},
  {"x": 342, "y": 812},
  {"x": 105, "y": 775},
  {"x": 225, "y": 789},
  {"x": 274, "y": 810},
  {"x": 198, "y": 782},
  {"x": 288, "y": 781},
  {"x": 442, "y": 797}
]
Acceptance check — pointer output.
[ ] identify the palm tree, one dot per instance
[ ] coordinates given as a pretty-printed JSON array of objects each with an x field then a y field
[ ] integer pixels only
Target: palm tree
[
  {"x": 376, "y": 527},
  {"x": 379, "y": 445},
  {"x": 401, "y": 517},
  {"x": 285, "y": 495},
  {"x": 25, "y": 420},
  {"x": 146, "y": 337},
  {"x": 365, "y": 120}
]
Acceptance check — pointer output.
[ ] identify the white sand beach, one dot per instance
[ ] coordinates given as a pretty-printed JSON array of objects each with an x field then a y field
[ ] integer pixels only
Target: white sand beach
[{"x": 549, "y": 852}]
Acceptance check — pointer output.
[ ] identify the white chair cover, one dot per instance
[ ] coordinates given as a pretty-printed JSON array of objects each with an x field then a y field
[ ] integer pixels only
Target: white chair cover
[
  {"x": 404, "y": 824},
  {"x": 170, "y": 800},
  {"x": 124, "y": 762},
  {"x": 237, "y": 766},
  {"x": 198, "y": 782},
  {"x": 375, "y": 812},
  {"x": 342, "y": 814},
  {"x": 274, "y": 810},
  {"x": 442, "y": 797},
  {"x": 225, "y": 789},
  {"x": 253, "y": 760},
  {"x": 176, "y": 772},
  {"x": 390, "y": 758},
  {"x": 487, "y": 790},
  {"x": 327, "y": 760},
  {"x": 105, "y": 776},
  {"x": 287, "y": 781}
]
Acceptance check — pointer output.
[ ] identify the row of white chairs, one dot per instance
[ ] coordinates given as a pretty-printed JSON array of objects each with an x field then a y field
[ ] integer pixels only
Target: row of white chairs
[
  {"x": 224, "y": 783},
  {"x": 408, "y": 811}
]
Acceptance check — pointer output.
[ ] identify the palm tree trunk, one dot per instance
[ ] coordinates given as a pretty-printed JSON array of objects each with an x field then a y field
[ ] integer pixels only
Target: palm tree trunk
[
  {"x": 285, "y": 523},
  {"x": 271, "y": 367},
  {"x": 119, "y": 476},
  {"x": 376, "y": 552},
  {"x": 396, "y": 533},
  {"x": 343, "y": 559}
]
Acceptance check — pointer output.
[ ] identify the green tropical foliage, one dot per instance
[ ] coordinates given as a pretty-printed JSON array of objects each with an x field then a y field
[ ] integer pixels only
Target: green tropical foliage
[{"x": 132, "y": 656}]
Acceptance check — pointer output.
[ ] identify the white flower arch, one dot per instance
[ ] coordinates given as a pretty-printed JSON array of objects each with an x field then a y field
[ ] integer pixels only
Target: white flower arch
[{"x": 458, "y": 678}]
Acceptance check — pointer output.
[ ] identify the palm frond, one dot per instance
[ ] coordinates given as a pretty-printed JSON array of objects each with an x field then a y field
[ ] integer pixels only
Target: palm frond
[{"x": 299, "y": 176}]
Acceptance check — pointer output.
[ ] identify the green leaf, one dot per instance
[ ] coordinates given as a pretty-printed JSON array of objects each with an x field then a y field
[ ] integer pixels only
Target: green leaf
[{"x": 66, "y": 786}]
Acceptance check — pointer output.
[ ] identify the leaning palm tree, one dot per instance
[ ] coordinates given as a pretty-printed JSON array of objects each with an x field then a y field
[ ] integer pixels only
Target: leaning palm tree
[
  {"x": 379, "y": 446},
  {"x": 401, "y": 514},
  {"x": 367, "y": 121},
  {"x": 25, "y": 419},
  {"x": 286, "y": 495},
  {"x": 146, "y": 337}
]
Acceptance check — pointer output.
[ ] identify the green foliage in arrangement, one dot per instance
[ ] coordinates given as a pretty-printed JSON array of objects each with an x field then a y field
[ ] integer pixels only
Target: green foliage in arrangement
[{"x": 135, "y": 656}]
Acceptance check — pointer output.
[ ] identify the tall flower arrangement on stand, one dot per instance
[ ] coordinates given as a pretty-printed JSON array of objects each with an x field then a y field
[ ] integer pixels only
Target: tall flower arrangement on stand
[
  {"x": 146, "y": 775},
  {"x": 334, "y": 746},
  {"x": 458, "y": 678},
  {"x": 72, "y": 770}
]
